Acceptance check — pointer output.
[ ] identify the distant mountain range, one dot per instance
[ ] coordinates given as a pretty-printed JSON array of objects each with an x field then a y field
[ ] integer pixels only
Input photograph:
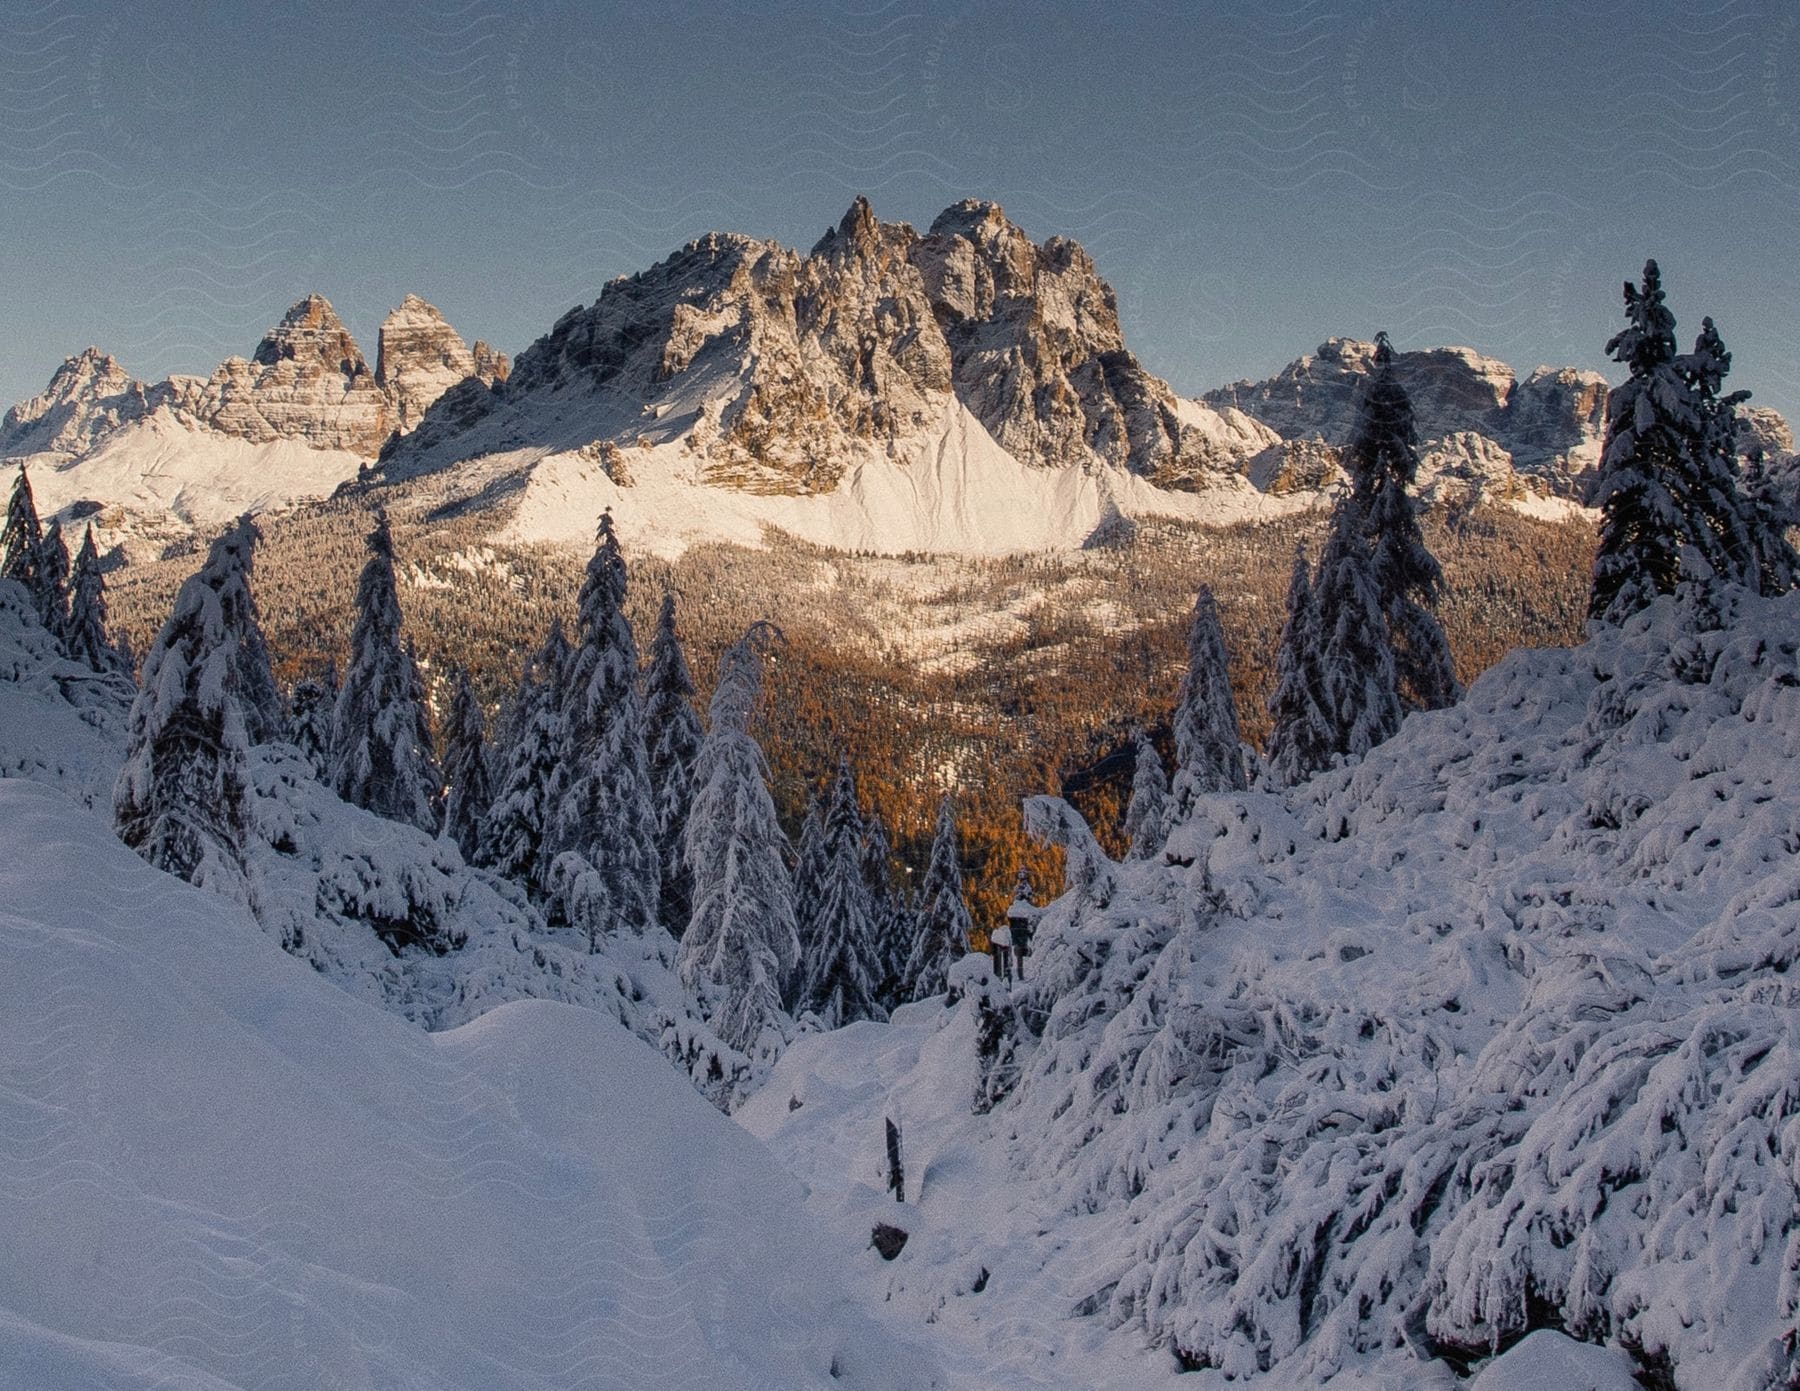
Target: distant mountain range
[{"x": 965, "y": 389}]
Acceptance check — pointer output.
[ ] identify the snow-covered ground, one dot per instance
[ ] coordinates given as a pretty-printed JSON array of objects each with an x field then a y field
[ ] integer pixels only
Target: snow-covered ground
[{"x": 1493, "y": 1035}]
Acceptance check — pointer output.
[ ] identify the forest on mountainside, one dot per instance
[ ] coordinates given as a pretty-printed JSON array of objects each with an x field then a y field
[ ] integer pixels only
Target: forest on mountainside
[{"x": 926, "y": 670}]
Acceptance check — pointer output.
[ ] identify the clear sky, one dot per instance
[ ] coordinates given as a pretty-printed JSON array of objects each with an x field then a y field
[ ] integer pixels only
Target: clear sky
[{"x": 1251, "y": 178}]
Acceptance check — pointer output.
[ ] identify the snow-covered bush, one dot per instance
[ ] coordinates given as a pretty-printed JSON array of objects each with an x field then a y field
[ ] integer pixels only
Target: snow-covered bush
[{"x": 1493, "y": 1031}]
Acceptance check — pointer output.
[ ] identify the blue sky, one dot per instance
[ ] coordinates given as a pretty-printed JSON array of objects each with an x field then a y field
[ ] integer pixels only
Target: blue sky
[{"x": 1251, "y": 178}]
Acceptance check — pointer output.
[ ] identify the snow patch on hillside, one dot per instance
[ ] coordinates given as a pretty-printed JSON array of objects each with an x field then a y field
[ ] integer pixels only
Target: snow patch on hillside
[
  {"x": 160, "y": 470},
  {"x": 949, "y": 490}
]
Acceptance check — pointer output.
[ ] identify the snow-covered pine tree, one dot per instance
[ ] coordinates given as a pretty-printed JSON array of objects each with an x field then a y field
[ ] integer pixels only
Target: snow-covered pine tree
[
  {"x": 87, "y": 639},
  {"x": 1148, "y": 809},
  {"x": 941, "y": 934},
  {"x": 843, "y": 967},
  {"x": 1359, "y": 687},
  {"x": 182, "y": 800},
  {"x": 468, "y": 792},
  {"x": 1771, "y": 516},
  {"x": 740, "y": 943},
  {"x": 258, "y": 697},
  {"x": 379, "y": 761},
  {"x": 673, "y": 738},
  {"x": 23, "y": 557},
  {"x": 310, "y": 709},
  {"x": 514, "y": 835},
  {"x": 1730, "y": 520},
  {"x": 1209, "y": 753},
  {"x": 607, "y": 815},
  {"x": 1301, "y": 739},
  {"x": 55, "y": 581},
  {"x": 1382, "y": 459},
  {"x": 808, "y": 880},
  {"x": 889, "y": 912},
  {"x": 1651, "y": 428}
]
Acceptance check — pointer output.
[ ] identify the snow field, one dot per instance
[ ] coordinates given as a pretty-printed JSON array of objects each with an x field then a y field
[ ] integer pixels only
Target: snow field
[{"x": 217, "y": 1169}]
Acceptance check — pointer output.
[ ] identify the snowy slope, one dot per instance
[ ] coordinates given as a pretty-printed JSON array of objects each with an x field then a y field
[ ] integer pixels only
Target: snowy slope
[
  {"x": 159, "y": 467},
  {"x": 380, "y": 909},
  {"x": 950, "y": 489},
  {"x": 217, "y": 1170},
  {"x": 1495, "y": 1033}
]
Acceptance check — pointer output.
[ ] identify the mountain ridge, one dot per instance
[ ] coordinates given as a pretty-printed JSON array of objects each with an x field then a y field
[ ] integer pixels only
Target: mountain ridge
[{"x": 953, "y": 367}]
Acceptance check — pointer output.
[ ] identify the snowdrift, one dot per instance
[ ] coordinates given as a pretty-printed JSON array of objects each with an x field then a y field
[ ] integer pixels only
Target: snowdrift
[{"x": 218, "y": 1170}]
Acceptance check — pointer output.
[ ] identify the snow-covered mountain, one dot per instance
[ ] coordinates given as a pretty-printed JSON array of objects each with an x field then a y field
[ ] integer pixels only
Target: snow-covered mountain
[
  {"x": 779, "y": 369},
  {"x": 292, "y": 421},
  {"x": 964, "y": 389}
]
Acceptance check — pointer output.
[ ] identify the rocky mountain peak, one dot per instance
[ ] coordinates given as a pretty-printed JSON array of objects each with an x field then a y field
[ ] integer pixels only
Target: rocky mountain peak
[
  {"x": 786, "y": 366},
  {"x": 974, "y": 218},
  {"x": 857, "y": 228},
  {"x": 89, "y": 392},
  {"x": 1548, "y": 425},
  {"x": 307, "y": 380},
  {"x": 419, "y": 357},
  {"x": 311, "y": 333}
]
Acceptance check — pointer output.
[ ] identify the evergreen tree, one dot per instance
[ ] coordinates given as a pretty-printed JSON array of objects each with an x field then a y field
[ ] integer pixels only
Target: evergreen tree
[
  {"x": 1733, "y": 518},
  {"x": 514, "y": 834},
  {"x": 182, "y": 800},
  {"x": 309, "y": 718},
  {"x": 23, "y": 557},
  {"x": 809, "y": 881},
  {"x": 381, "y": 756},
  {"x": 1383, "y": 462},
  {"x": 843, "y": 967},
  {"x": 468, "y": 791},
  {"x": 890, "y": 917},
  {"x": 1652, "y": 425},
  {"x": 740, "y": 942},
  {"x": 1770, "y": 516},
  {"x": 87, "y": 639},
  {"x": 607, "y": 815},
  {"x": 1301, "y": 739},
  {"x": 941, "y": 934},
  {"x": 1209, "y": 754},
  {"x": 259, "y": 698},
  {"x": 673, "y": 737},
  {"x": 1148, "y": 809},
  {"x": 55, "y": 583},
  {"x": 1360, "y": 688}
]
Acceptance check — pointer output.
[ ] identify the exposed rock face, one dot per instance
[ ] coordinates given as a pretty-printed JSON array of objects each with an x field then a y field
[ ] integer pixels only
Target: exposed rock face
[
  {"x": 306, "y": 381},
  {"x": 778, "y": 368},
  {"x": 420, "y": 357},
  {"x": 1545, "y": 429},
  {"x": 89, "y": 395},
  {"x": 1763, "y": 431}
]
